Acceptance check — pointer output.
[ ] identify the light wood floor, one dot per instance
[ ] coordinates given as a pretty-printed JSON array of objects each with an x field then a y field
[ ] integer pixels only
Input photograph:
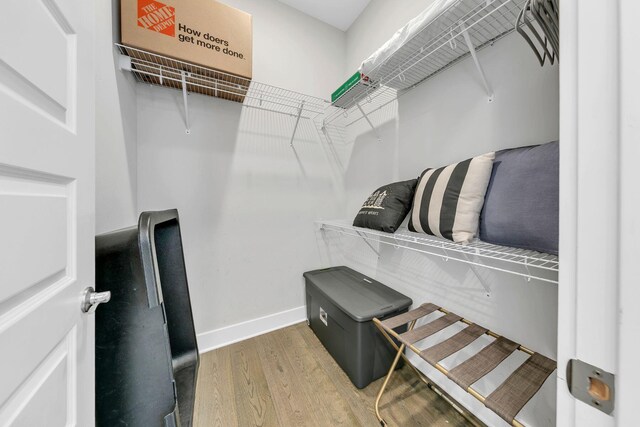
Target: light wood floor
[{"x": 287, "y": 378}]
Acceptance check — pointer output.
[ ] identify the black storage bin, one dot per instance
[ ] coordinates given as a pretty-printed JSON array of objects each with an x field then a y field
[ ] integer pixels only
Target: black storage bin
[
  {"x": 146, "y": 351},
  {"x": 341, "y": 304}
]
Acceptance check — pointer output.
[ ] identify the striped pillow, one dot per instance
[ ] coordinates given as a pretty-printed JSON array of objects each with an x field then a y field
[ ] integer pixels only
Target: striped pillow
[{"x": 448, "y": 201}]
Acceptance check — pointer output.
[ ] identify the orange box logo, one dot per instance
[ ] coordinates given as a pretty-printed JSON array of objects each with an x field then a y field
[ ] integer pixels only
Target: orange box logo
[{"x": 156, "y": 16}]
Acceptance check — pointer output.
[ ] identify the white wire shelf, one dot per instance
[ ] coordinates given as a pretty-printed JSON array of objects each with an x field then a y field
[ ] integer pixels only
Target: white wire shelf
[
  {"x": 520, "y": 262},
  {"x": 457, "y": 32},
  {"x": 151, "y": 68}
]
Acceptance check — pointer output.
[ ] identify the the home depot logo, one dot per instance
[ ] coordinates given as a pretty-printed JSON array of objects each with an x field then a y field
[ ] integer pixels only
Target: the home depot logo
[{"x": 156, "y": 16}]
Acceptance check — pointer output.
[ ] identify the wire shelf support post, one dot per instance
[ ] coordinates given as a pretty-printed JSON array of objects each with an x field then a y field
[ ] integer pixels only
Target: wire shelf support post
[
  {"x": 375, "y": 130},
  {"x": 186, "y": 102},
  {"x": 472, "y": 51},
  {"x": 295, "y": 127}
]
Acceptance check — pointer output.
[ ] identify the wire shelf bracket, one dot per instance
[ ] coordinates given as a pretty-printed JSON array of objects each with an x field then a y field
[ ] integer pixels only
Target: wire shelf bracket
[
  {"x": 186, "y": 102},
  {"x": 366, "y": 117},
  {"x": 368, "y": 244},
  {"x": 325, "y": 132},
  {"x": 295, "y": 127},
  {"x": 481, "y": 280},
  {"x": 472, "y": 51}
]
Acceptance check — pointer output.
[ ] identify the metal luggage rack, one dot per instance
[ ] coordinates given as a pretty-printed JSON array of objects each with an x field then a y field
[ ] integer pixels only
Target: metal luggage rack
[
  {"x": 148, "y": 67},
  {"x": 520, "y": 262},
  {"x": 507, "y": 400},
  {"x": 460, "y": 30}
]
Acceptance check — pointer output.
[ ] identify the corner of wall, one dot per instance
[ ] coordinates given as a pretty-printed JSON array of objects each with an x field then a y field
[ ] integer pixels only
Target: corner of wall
[
  {"x": 116, "y": 128},
  {"x": 227, "y": 335}
]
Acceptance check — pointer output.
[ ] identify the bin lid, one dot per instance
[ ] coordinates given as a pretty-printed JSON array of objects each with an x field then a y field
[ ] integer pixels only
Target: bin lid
[{"x": 360, "y": 297}]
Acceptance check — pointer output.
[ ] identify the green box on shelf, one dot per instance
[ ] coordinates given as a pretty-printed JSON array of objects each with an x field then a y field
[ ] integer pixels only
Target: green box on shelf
[{"x": 356, "y": 85}]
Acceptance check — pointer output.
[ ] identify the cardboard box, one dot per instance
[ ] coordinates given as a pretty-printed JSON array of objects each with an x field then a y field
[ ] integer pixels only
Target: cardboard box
[
  {"x": 354, "y": 87},
  {"x": 203, "y": 32}
]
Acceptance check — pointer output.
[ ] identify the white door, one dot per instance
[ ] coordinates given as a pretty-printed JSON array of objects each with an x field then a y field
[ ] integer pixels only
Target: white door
[
  {"x": 629, "y": 294},
  {"x": 46, "y": 212},
  {"x": 599, "y": 292}
]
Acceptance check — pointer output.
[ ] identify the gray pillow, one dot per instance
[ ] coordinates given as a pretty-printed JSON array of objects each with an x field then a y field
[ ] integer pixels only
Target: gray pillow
[{"x": 522, "y": 200}]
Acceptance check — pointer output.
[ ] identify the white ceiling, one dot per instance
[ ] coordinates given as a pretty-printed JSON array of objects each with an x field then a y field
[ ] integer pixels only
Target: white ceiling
[{"x": 339, "y": 13}]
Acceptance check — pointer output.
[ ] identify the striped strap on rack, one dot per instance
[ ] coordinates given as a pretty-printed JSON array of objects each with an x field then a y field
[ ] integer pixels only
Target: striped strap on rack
[
  {"x": 506, "y": 400},
  {"x": 511, "y": 396},
  {"x": 457, "y": 342},
  {"x": 429, "y": 329},
  {"x": 476, "y": 367},
  {"x": 403, "y": 319}
]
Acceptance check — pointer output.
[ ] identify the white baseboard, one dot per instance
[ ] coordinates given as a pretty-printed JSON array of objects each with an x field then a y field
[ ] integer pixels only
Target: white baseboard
[{"x": 217, "y": 338}]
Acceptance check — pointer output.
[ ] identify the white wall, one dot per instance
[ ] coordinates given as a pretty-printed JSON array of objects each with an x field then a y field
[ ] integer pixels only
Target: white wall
[
  {"x": 292, "y": 50},
  {"x": 445, "y": 120},
  {"x": 247, "y": 200},
  {"x": 116, "y": 124}
]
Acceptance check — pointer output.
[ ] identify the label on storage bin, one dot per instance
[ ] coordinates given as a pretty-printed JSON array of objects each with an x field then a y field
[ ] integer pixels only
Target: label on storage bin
[{"x": 323, "y": 316}]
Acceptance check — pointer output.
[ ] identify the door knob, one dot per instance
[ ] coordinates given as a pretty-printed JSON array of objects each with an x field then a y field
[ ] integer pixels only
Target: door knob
[{"x": 92, "y": 299}]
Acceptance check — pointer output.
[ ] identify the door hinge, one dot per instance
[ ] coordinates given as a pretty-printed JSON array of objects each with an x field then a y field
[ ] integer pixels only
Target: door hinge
[{"x": 591, "y": 385}]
